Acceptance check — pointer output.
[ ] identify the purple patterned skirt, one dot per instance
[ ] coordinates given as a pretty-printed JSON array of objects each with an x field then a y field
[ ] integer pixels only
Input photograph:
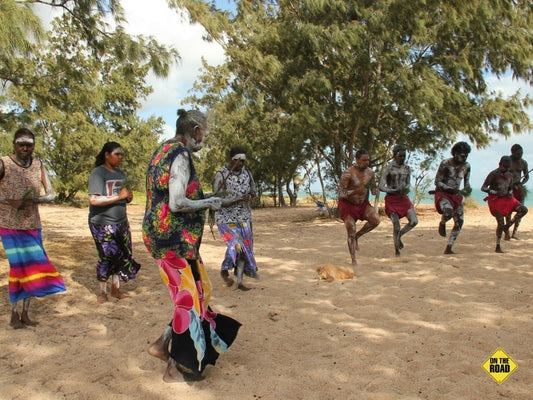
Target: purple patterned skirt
[{"x": 115, "y": 257}]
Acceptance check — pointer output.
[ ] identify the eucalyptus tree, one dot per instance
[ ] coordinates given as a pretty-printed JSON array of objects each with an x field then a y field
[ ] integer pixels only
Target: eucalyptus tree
[
  {"x": 368, "y": 74},
  {"x": 80, "y": 86}
]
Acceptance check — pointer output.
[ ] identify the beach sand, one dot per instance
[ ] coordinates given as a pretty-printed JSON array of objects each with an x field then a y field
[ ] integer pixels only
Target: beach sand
[{"x": 418, "y": 326}]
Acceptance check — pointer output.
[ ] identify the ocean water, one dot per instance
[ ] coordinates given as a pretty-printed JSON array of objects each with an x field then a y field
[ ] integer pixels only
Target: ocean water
[{"x": 478, "y": 196}]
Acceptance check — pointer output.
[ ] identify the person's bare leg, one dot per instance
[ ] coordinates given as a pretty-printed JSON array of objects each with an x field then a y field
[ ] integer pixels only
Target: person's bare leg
[
  {"x": 159, "y": 348},
  {"x": 458, "y": 219},
  {"x": 499, "y": 231},
  {"x": 228, "y": 280},
  {"x": 412, "y": 222},
  {"x": 102, "y": 296},
  {"x": 396, "y": 233},
  {"x": 15, "y": 322},
  {"x": 508, "y": 223},
  {"x": 240, "y": 271},
  {"x": 115, "y": 286},
  {"x": 24, "y": 316},
  {"x": 353, "y": 246},
  {"x": 520, "y": 210},
  {"x": 172, "y": 374},
  {"x": 447, "y": 213},
  {"x": 372, "y": 220}
]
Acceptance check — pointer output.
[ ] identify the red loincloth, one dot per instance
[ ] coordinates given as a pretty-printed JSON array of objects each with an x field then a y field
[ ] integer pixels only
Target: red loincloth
[
  {"x": 357, "y": 211},
  {"x": 455, "y": 199},
  {"x": 397, "y": 204},
  {"x": 503, "y": 205}
]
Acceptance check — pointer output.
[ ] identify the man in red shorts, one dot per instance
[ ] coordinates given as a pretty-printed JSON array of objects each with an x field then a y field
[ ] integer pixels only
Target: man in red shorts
[
  {"x": 520, "y": 172},
  {"x": 499, "y": 186},
  {"x": 353, "y": 200},
  {"x": 448, "y": 195},
  {"x": 396, "y": 182}
]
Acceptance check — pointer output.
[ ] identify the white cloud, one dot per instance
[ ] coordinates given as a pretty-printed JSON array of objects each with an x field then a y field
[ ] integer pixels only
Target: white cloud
[{"x": 171, "y": 28}]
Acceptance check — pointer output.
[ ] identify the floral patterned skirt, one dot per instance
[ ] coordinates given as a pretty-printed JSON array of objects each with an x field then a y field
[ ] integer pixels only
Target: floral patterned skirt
[
  {"x": 240, "y": 243},
  {"x": 199, "y": 335},
  {"x": 115, "y": 257}
]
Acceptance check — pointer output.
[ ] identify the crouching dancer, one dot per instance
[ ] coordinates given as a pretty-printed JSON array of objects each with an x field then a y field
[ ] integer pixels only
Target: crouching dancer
[
  {"x": 502, "y": 203},
  {"x": 172, "y": 231},
  {"x": 448, "y": 195},
  {"x": 353, "y": 200},
  {"x": 396, "y": 182}
]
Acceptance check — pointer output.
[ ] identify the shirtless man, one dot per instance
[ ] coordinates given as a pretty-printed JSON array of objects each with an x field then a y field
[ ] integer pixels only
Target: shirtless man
[
  {"x": 448, "y": 196},
  {"x": 396, "y": 182},
  {"x": 353, "y": 200},
  {"x": 520, "y": 172},
  {"x": 499, "y": 186}
]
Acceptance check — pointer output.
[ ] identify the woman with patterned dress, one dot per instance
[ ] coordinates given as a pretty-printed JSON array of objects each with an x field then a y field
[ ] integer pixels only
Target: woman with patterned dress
[
  {"x": 234, "y": 219},
  {"x": 30, "y": 272},
  {"x": 109, "y": 223},
  {"x": 172, "y": 231}
]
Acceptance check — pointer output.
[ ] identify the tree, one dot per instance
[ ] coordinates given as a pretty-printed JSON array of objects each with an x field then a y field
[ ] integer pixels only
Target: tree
[
  {"x": 359, "y": 74},
  {"x": 80, "y": 88}
]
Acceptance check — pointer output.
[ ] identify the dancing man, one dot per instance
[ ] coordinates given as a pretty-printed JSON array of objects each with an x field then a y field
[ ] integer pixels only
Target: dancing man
[
  {"x": 396, "y": 182},
  {"x": 520, "y": 172},
  {"x": 353, "y": 200},
  {"x": 448, "y": 195},
  {"x": 502, "y": 203}
]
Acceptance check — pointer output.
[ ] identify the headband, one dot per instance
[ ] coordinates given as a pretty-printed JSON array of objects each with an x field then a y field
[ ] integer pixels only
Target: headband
[
  {"x": 240, "y": 156},
  {"x": 24, "y": 139}
]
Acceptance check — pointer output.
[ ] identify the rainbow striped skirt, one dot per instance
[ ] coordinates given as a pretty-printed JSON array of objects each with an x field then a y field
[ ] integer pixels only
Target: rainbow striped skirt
[{"x": 30, "y": 272}]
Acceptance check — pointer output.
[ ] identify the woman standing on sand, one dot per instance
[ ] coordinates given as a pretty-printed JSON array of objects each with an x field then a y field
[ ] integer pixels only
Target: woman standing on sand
[
  {"x": 30, "y": 272},
  {"x": 109, "y": 223}
]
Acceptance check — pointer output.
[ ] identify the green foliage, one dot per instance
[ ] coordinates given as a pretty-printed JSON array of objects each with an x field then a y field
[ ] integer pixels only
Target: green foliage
[
  {"x": 80, "y": 89},
  {"x": 342, "y": 75}
]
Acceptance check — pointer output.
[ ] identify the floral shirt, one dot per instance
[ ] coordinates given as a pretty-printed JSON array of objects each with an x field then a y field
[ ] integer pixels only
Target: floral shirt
[{"x": 168, "y": 234}]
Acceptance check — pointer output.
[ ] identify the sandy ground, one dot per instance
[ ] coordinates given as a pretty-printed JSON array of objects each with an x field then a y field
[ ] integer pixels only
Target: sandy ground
[{"x": 414, "y": 327}]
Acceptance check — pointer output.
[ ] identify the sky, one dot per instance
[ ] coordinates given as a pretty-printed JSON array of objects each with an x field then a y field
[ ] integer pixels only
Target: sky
[{"x": 169, "y": 28}]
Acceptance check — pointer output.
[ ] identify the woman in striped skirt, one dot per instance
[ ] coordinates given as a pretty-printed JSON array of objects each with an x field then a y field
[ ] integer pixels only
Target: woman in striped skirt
[{"x": 22, "y": 178}]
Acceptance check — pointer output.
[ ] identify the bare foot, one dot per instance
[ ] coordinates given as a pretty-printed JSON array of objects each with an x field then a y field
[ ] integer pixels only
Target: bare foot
[
  {"x": 354, "y": 261},
  {"x": 515, "y": 237},
  {"x": 118, "y": 294},
  {"x": 442, "y": 229},
  {"x": 498, "y": 249},
  {"x": 16, "y": 323},
  {"x": 448, "y": 250},
  {"x": 158, "y": 349},
  {"x": 172, "y": 374},
  {"x": 26, "y": 320},
  {"x": 178, "y": 373},
  {"x": 240, "y": 286},
  {"x": 226, "y": 278},
  {"x": 102, "y": 298}
]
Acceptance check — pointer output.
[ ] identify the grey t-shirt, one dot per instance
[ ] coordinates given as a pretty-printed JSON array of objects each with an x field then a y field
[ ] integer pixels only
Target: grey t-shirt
[{"x": 106, "y": 183}]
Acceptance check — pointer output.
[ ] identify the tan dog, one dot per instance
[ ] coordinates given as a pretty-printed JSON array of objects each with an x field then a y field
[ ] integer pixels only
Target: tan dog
[{"x": 332, "y": 272}]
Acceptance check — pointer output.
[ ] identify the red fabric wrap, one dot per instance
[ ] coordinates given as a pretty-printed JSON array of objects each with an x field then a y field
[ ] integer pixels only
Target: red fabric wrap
[
  {"x": 397, "y": 204},
  {"x": 455, "y": 199},
  {"x": 503, "y": 205},
  {"x": 355, "y": 210}
]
